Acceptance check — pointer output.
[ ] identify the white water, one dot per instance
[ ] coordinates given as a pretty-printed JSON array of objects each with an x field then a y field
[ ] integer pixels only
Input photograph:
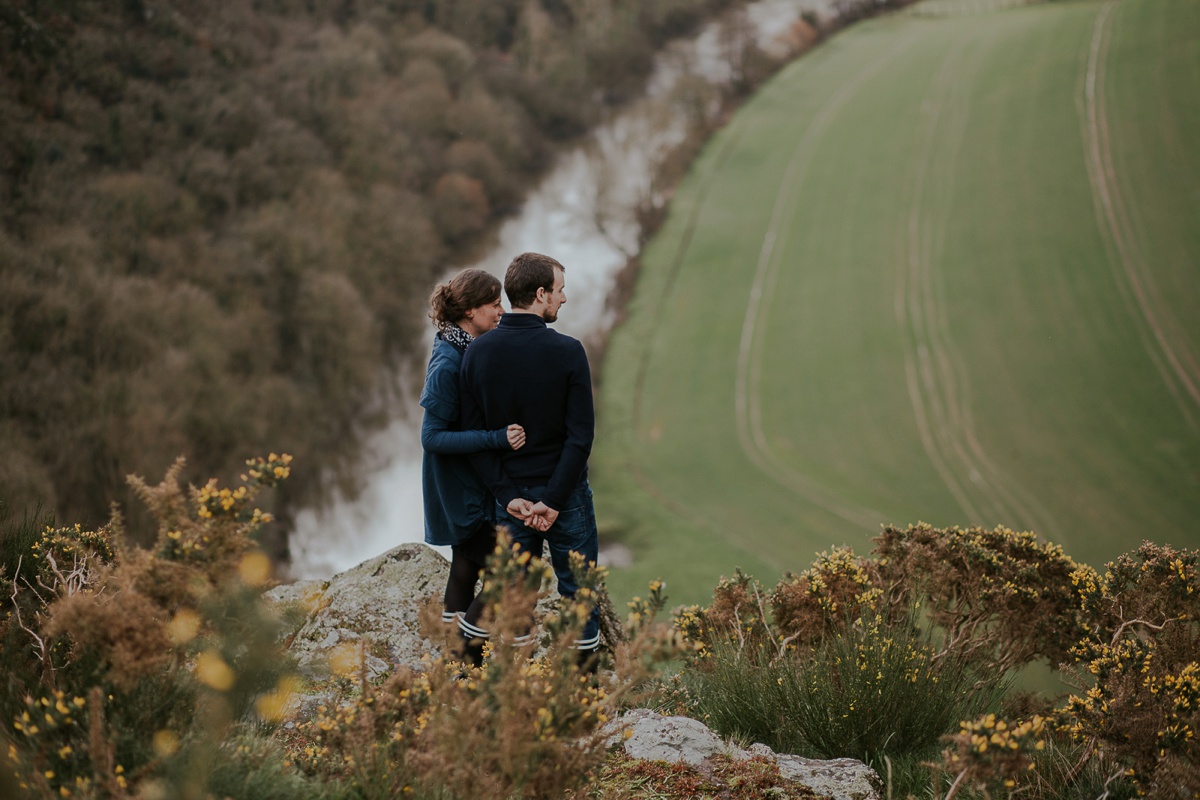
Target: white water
[{"x": 583, "y": 214}]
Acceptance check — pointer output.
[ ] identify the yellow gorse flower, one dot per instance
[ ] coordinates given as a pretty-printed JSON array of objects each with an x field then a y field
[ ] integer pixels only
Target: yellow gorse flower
[{"x": 213, "y": 672}]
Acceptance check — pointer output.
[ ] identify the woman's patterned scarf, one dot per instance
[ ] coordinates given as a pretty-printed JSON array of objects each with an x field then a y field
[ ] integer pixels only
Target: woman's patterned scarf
[{"x": 456, "y": 336}]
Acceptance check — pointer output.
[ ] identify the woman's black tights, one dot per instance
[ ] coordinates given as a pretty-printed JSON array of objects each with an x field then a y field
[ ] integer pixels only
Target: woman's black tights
[{"x": 460, "y": 588}]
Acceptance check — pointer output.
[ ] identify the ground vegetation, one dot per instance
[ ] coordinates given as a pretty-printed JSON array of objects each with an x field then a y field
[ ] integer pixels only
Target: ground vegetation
[{"x": 162, "y": 672}]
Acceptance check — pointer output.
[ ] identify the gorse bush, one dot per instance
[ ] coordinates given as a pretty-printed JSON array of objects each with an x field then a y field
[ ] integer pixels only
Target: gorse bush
[
  {"x": 135, "y": 664},
  {"x": 894, "y": 656},
  {"x": 1002, "y": 598},
  {"x": 999, "y": 597},
  {"x": 990, "y": 748},
  {"x": 1139, "y": 700},
  {"x": 836, "y": 589},
  {"x": 1034, "y": 757}
]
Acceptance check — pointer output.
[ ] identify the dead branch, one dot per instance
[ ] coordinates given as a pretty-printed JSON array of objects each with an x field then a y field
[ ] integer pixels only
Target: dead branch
[
  {"x": 40, "y": 643},
  {"x": 1148, "y": 624},
  {"x": 954, "y": 787},
  {"x": 785, "y": 642}
]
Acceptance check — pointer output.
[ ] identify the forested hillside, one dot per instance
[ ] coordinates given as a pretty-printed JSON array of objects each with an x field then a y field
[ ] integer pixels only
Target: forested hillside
[{"x": 219, "y": 220}]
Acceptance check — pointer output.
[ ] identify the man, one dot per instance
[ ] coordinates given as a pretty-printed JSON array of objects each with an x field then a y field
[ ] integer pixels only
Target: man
[{"x": 526, "y": 373}]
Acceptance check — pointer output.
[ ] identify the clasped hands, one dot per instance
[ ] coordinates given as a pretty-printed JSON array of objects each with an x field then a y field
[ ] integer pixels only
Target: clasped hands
[{"x": 538, "y": 516}]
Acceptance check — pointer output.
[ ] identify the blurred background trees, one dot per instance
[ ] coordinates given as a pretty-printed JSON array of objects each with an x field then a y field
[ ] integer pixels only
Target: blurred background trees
[{"x": 219, "y": 222}]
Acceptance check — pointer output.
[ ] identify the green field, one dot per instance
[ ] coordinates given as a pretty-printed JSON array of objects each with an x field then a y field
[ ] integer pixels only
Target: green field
[{"x": 942, "y": 268}]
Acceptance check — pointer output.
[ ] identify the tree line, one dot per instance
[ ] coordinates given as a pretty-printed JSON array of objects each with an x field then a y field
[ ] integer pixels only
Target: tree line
[{"x": 219, "y": 221}]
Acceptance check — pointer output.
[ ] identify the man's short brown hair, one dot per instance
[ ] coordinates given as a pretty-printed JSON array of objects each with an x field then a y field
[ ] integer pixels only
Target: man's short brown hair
[{"x": 526, "y": 274}]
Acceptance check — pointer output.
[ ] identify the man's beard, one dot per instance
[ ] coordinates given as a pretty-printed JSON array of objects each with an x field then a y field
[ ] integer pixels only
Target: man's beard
[{"x": 549, "y": 315}]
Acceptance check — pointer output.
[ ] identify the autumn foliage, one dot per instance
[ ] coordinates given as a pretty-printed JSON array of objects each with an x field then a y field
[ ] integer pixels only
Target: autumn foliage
[{"x": 219, "y": 221}]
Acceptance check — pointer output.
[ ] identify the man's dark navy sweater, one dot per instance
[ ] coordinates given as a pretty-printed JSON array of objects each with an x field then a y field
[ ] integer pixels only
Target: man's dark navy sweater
[{"x": 526, "y": 373}]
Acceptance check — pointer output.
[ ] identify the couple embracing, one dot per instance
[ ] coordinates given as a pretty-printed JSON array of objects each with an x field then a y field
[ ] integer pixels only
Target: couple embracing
[{"x": 507, "y": 431}]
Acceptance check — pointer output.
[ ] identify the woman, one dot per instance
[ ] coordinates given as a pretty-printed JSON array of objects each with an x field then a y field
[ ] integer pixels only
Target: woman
[{"x": 458, "y": 507}]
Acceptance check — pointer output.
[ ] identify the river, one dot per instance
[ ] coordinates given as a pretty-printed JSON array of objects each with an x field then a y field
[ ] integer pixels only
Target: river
[{"x": 584, "y": 213}]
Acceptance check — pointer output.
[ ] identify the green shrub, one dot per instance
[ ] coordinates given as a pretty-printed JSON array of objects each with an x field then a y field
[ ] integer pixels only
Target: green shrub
[
  {"x": 878, "y": 688},
  {"x": 873, "y": 689},
  {"x": 17, "y": 538}
]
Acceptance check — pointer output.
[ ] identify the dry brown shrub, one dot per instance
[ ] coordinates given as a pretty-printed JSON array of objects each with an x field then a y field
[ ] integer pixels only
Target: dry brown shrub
[
  {"x": 1003, "y": 598},
  {"x": 168, "y": 584},
  {"x": 124, "y": 626},
  {"x": 170, "y": 644},
  {"x": 837, "y": 589},
  {"x": 1139, "y": 696}
]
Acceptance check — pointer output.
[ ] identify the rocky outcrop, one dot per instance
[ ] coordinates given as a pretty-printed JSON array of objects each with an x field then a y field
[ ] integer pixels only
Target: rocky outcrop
[
  {"x": 377, "y": 603},
  {"x": 380, "y": 601},
  {"x": 840, "y": 778},
  {"x": 654, "y": 737}
]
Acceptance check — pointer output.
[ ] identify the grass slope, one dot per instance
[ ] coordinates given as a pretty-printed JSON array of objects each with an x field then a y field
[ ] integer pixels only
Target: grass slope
[{"x": 943, "y": 268}]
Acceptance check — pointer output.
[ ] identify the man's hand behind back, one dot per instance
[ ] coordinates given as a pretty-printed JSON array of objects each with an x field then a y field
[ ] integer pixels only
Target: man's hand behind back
[
  {"x": 541, "y": 516},
  {"x": 520, "y": 508},
  {"x": 537, "y": 515}
]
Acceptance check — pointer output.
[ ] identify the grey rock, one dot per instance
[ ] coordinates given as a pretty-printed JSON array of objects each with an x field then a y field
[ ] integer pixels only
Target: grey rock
[
  {"x": 377, "y": 603},
  {"x": 380, "y": 601},
  {"x": 840, "y": 778},
  {"x": 654, "y": 737},
  {"x": 305, "y": 593}
]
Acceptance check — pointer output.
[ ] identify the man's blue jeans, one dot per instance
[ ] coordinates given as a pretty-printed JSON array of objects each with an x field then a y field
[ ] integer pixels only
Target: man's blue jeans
[{"x": 573, "y": 531}]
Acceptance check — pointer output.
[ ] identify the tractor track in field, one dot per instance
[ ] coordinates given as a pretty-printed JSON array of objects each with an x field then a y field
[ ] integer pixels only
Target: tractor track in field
[
  {"x": 1165, "y": 345},
  {"x": 643, "y": 369},
  {"x": 920, "y": 379},
  {"x": 747, "y": 390},
  {"x": 937, "y": 376},
  {"x": 750, "y": 434}
]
